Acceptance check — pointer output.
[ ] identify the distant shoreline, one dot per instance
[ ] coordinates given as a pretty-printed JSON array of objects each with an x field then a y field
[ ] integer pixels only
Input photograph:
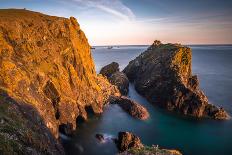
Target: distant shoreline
[{"x": 149, "y": 45}]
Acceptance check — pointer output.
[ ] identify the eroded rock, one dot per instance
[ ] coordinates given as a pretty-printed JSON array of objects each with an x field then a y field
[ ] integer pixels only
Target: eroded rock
[
  {"x": 109, "y": 69},
  {"x": 163, "y": 74},
  {"x": 131, "y": 107},
  {"x": 120, "y": 80},
  {"x": 117, "y": 78},
  {"x": 127, "y": 140},
  {"x": 130, "y": 144}
]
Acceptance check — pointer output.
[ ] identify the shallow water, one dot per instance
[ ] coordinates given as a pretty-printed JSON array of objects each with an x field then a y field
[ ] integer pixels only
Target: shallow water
[{"x": 213, "y": 65}]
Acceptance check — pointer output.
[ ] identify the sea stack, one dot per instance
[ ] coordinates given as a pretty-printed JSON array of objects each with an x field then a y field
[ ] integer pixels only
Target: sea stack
[
  {"x": 47, "y": 81},
  {"x": 163, "y": 74}
]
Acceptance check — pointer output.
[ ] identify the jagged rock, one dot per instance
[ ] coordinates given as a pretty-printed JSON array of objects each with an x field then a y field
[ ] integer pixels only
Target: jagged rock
[
  {"x": 130, "y": 144},
  {"x": 109, "y": 69},
  {"x": 134, "y": 109},
  {"x": 100, "y": 137},
  {"x": 163, "y": 75},
  {"x": 46, "y": 63},
  {"x": 117, "y": 78},
  {"x": 127, "y": 140},
  {"x": 120, "y": 80}
]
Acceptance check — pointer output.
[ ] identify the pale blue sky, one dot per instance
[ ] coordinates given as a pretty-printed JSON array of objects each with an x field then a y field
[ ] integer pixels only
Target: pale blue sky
[{"x": 142, "y": 21}]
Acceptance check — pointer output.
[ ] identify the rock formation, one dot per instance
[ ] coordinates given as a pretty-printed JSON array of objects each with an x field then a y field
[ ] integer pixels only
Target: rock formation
[
  {"x": 127, "y": 140},
  {"x": 109, "y": 69},
  {"x": 134, "y": 109},
  {"x": 120, "y": 80},
  {"x": 117, "y": 78},
  {"x": 130, "y": 144},
  {"x": 163, "y": 75},
  {"x": 45, "y": 64}
]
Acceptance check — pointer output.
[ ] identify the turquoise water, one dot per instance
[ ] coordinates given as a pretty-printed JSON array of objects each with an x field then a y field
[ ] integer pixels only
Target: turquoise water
[{"x": 213, "y": 65}]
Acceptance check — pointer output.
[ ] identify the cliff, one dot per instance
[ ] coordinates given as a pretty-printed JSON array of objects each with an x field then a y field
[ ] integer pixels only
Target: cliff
[
  {"x": 47, "y": 80},
  {"x": 163, "y": 74}
]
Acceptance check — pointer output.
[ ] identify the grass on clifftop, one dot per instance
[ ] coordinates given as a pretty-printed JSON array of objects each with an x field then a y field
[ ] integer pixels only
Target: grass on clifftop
[{"x": 154, "y": 150}]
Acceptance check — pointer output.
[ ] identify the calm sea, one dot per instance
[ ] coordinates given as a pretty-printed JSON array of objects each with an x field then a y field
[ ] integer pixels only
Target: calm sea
[{"x": 212, "y": 64}]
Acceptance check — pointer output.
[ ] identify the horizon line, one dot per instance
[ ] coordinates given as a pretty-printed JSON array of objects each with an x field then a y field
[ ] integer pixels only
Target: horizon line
[{"x": 210, "y": 44}]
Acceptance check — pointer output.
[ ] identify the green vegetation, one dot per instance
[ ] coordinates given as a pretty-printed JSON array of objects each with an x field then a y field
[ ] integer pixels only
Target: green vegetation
[{"x": 154, "y": 150}]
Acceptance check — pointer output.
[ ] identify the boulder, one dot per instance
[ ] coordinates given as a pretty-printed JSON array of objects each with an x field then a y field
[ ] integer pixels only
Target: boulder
[
  {"x": 131, "y": 107},
  {"x": 127, "y": 140},
  {"x": 163, "y": 74},
  {"x": 117, "y": 78},
  {"x": 120, "y": 80},
  {"x": 109, "y": 69},
  {"x": 100, "y": 137}
]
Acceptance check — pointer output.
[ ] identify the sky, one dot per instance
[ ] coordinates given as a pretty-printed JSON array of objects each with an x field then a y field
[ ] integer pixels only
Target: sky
[{"x": 140, "y": 22}]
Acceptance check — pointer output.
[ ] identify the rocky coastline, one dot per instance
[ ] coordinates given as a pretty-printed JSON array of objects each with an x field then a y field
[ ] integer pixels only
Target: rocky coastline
[
  {"x": 48, "y": 83},
  {"x": 163, "y": 75}
]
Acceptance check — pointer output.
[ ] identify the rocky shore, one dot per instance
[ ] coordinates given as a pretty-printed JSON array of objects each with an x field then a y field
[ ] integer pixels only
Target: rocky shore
[
  {"x": 163, "y": 74},
  {"x": 130, "y": 144},
  {"x": 136, "y": 110},
  {"x": 48, "y": 84}
]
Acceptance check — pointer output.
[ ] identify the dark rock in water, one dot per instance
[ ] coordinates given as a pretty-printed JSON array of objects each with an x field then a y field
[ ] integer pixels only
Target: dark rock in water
[
  {"x": 127, "y": 140},
  {"x": 130, "y": 144},
  {"x": 100, "y": 137},
  {"x": 215, "y": 112},
  {"x": 120, "y": 80},
  {"x": 163, "y": 74},
  {"x": 109, "y": 69},
  {"x": 134, "y": 109}
]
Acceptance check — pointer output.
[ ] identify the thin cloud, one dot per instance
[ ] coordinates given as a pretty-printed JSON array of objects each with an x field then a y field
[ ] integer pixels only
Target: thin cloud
[{"x": 113, "y": 7}]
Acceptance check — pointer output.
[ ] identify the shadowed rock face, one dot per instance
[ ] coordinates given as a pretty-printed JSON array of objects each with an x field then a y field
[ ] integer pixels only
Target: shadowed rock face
[
  {"x": 117, "y": 78},
  {"x": 120, "y": 80},
  {"x": 109, "y": 69},
  {"x": 163, "y": 75},
  {"x": 127, "y": 140},
  {"x": 45, "y": 62}
]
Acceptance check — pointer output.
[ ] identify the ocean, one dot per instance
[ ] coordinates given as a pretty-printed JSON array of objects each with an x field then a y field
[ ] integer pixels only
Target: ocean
[{"x": 212, "y": 64}]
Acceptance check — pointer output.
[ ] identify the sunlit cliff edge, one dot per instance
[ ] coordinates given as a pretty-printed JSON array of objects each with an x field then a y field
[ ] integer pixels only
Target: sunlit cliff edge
[{"x": 47, "y": 81}]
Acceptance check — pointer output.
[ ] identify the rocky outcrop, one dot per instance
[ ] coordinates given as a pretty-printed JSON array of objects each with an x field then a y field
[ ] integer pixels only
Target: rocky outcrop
[
  {"x": 163, "y": 74},
  {"x": 117, "y": 78},
  {"x": 109, "y": 69},
  {"x": 130, "y": 144},
  {"x": 45, "y": 64},
  {"x": 127, "y": 140},
  {"x": 131, "y": 107},
  {"x": 120, "y": 80},
  {"x": 100, "y": 137}
]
